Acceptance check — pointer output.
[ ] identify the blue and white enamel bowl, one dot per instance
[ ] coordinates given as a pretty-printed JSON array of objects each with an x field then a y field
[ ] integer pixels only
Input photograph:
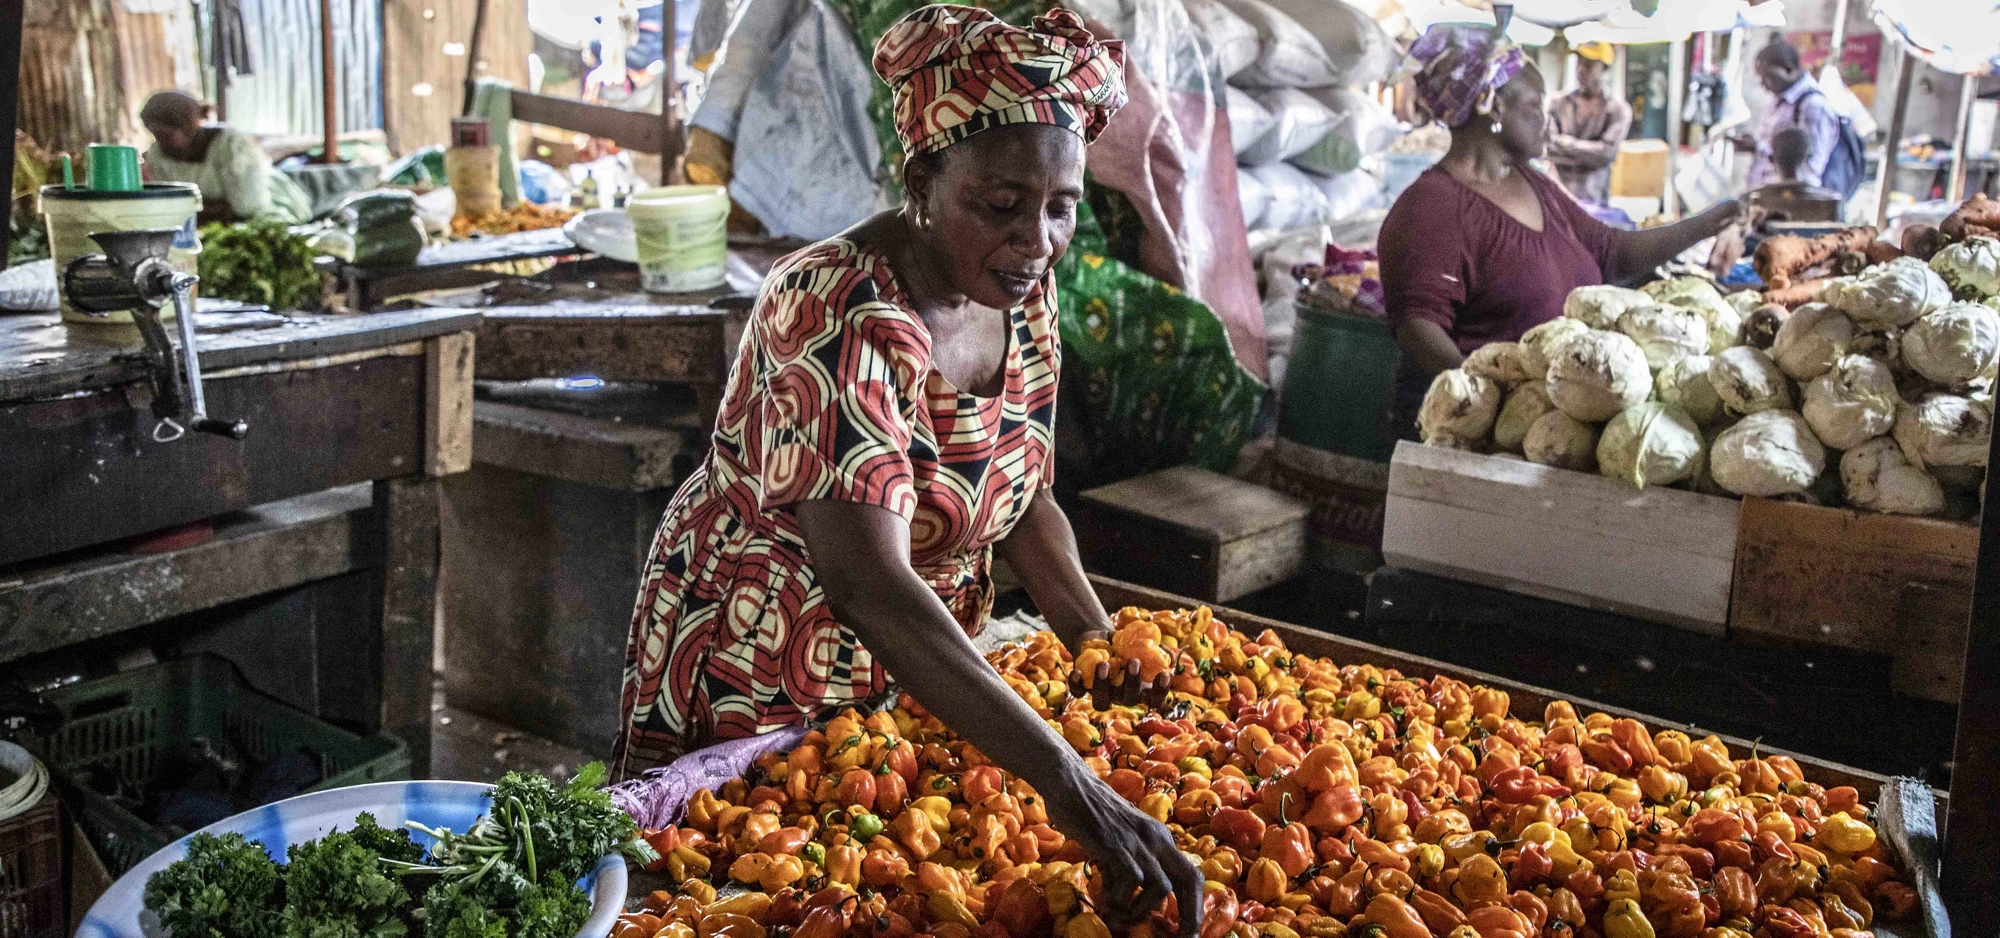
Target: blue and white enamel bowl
[{"x": 121, "y": 913}]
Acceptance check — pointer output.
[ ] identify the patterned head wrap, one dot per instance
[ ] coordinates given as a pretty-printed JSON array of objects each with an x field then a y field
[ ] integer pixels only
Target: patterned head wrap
[
  {"x": 959, "y": 70},
  {"x": 1460, "y": 67}
]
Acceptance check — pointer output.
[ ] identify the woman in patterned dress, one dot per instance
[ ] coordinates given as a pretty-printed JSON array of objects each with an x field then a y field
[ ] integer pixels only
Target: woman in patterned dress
[{"x": 888, "y": 425}]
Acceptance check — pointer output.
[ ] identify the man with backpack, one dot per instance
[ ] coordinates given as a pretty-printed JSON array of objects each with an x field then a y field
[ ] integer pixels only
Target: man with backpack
[{"x": 1834, "y": 151}]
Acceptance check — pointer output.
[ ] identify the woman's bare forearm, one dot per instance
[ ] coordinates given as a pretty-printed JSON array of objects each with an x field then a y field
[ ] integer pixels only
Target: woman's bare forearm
[
  {"x": 1641, "y": 251},
  {"x": 1041, "y": 551}
]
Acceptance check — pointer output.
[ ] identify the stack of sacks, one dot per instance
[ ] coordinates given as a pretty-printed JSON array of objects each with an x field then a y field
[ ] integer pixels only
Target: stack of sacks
[{"x": 1298, "y": 121}]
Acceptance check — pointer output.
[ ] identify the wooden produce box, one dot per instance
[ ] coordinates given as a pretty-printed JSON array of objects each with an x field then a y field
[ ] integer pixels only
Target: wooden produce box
[
  {"x": 1660, "y": 554},
  {"x": 1193, "y": 532},
  {"x": 1880, "y": 584}
]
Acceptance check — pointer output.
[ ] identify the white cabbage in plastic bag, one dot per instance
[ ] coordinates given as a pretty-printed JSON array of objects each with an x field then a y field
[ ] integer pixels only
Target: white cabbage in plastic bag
[
  {"x": 1971, "y": 267},
  {"x": 1944, "y": 430},
  {"x": 1538, "y": 342},
  {"x": 1766, "y": 454},
  {"x": 1876, "y": 477},
  {"x": 1499, "y": 361},
  {"x": 1724, "y": 320},
  {"x": 1761, "y": 325},
  {"x": 1458, "y": 409},
  {"x": 1685, "y": 384},
  {"x": 1559, "y": 440},
  {"x": 1811, "y": 340},
  {"x": 1525, "y": 405},
  {"x": 1650, "y": 444},
  {"x": 1599, "y": 306},
  {"x": 1595, "y": 375},
  {"x": 1748, "y": 381},
  {"x": 1666, "y": 334},
  {"x": 1743, "y": 301},
  {"x": 1888, "y": 295},
  {"x": 1852, "y": 402},
  {"x": 1953, "y": 345}
]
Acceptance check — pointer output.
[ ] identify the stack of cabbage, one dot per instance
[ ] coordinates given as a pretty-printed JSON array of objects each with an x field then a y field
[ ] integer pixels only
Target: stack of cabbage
[{"x": 1879, "y": 395}]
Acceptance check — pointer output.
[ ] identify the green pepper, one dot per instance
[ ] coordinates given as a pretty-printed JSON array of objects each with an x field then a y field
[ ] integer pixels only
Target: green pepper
[
  {"x": 813, "y": 853},
  {"x": 864, "y": 826}
]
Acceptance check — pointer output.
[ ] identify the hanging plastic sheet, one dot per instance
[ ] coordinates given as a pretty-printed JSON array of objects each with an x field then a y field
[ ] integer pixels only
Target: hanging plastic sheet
[{"x": 1958, "y": 36}]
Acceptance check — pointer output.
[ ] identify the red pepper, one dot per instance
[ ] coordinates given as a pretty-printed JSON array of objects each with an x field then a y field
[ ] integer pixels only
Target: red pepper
[
  {"x": 1517, "y": 785},
  {"x": 1237, "y": 827},
  {"x": 857, "y": 789},
  {"x": 824, "y": 922},
  {"x": 1290, "y": 845},
  {"x": 1768, "y": 844},
  {"x": 981, "y": 781},
  {"x": 891, "y": 793},
  {"x": 1218, "y": 912},
  {"x": 1530, "y": 866},
  {"x": 901, "y": 758},
  {"x": 1787, "y": 923}
]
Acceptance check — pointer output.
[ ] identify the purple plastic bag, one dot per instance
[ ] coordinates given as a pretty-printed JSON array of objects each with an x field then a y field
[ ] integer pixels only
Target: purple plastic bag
[{"x": 659, "y": 797}]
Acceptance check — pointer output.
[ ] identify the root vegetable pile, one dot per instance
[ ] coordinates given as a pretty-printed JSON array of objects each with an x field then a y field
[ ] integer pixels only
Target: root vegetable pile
[{"x": 1318, "y": 800}]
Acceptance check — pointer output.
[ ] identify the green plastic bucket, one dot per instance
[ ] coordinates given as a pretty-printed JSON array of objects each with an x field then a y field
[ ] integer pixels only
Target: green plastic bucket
[
  {"x": 683, "y": 236},
  {"x": 1340, "y": 385}
]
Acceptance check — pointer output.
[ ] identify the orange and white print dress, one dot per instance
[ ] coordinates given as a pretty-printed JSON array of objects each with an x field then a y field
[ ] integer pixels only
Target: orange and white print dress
[{"x": 832, "y": 396}]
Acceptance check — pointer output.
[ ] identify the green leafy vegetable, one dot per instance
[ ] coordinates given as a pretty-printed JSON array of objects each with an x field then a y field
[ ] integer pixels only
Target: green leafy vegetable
[
  {"x": 538, "y": 827},
  {"x": 226, "y": 887},
  {"x": 335, "y": 888},
  {"x": 259, "y": 262},
  {"x": 389, "y": 845},
  {"x": 502, "y": 903}
]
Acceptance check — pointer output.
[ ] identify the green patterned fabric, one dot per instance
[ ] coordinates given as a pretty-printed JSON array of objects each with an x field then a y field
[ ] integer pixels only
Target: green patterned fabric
[{"x": 1163, "y": 387}]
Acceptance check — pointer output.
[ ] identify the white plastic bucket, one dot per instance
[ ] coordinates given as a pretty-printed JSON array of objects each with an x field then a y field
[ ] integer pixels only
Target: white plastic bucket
[
  {"x": 683, "y": 236},
  {"x": 74, "y": 214}
]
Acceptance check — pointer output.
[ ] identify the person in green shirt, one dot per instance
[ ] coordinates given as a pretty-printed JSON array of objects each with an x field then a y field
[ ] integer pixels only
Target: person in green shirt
[{"x": 237, "y": 180}]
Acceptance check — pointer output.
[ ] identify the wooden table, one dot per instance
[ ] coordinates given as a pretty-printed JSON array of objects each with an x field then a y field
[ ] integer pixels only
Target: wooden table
[
  {"x": 352, "y": 422},
  {"x": 452, "y": 264}
]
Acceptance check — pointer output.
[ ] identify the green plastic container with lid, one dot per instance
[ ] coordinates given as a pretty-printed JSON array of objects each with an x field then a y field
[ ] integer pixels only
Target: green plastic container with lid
[
  {"x": 1340, "y": 385},
  {"x": 120, "y": 726}
]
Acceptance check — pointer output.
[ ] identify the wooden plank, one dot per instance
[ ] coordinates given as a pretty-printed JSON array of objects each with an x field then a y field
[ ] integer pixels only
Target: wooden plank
[
  {"x": 84, "y": 470},
  {"x": 682, "y": 344},
  {"x": 1253, "y": 562},
  {"x": 405, "y": 524},
  {"x": 1201, "y": 504},
  {"x": 425, "y": 62},
  {"x": 587, "y": 450},
  {"x": 1971, "y": 879},
  {"x": 1835, "y": 577},
  {"x": 632, "y": 130},
  {"x": 270, "y": 547},
  {"x": 42, "y": 357},
  {"x": 1660, "y": 554},
  {"x": 1528, "y": 701},
  {"x": 448, "y": 404},
  {"x": 1930, "y": 633}
]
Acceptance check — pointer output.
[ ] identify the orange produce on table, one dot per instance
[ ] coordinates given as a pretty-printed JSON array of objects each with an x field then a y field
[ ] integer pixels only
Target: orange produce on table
[{"x": 1318, "y": 800}]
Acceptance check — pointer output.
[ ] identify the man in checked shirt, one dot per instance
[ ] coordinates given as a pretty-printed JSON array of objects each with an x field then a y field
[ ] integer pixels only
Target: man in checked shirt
[{"x": 1800, "y": 103}]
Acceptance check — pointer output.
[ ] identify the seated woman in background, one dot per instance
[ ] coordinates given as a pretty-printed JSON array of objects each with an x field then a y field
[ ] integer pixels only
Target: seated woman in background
[
  {"x": 236, "y": 179},
  {"x": 1482, "y": 247}
]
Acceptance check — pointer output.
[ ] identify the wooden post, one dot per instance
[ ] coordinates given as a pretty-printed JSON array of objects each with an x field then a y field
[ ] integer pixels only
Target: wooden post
[
  {"x": 406, "y": 524},
  {"x": 329, "y": 85},
  {"x": 1971, "y": 880},
  {"x": 1886, "y": 179},
  {"x": 219, "y": 59},
  {"x": 472, "y": 56},
  {"x": 1954, "y": 187},
  {"x": 670, "y": 126},
  {"x": 1838, "y": 43},
  {"x": 1677, "y": 51},
  {"x": 11, "y": 14}
]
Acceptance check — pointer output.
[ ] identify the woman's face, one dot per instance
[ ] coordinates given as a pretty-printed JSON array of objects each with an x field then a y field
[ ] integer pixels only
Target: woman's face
[
  {"x": 1001, "y": 208},
  {"x": 177, "y": 141},
  {"x": 1524, "y": 123}
]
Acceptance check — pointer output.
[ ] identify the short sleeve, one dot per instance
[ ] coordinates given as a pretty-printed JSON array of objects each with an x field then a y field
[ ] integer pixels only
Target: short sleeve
[
  {"x": 1422, "y": 257},
  {"x": 1600, "y": 239},
  {"x": 844, "y": 373}
]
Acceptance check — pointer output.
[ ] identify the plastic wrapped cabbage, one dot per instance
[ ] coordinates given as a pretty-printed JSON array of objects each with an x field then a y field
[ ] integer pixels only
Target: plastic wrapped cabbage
[
  {"x": 1885, "y": 347},
  {"x": 1539, "y": 342},
  {"x": 1595, "y": 375},
  {"x": 1876, "y": 477},
  {"x": 1600, "y": 306},
  {"x": 1560, "y": 440},
  {"x": 1666, "y": 334},
  {"x": 1743, "y": 301},
  {"x": 1650, "y": 444},
  {"x": 1724, "y": 320},
  {"x": 1944, "y": 430},
  {"x": 1525, "y": 405},
  {"x": 1888, "y": 295},
  {"x": 1685, "y": 384},
  {"x": 1458, "y": 410},
  {"x": 1853, "y": 401},
  {"x": 1811, "y": 340},
  {"x": 1767, "y": 454},
  {"x": 1954, "y": 345},
  {"x": 1501, "y": 362},
  {"x": 1971, "y": 268},
  {"x": 1761, "y": 325},
  {"x": 1748, "y": 381}
]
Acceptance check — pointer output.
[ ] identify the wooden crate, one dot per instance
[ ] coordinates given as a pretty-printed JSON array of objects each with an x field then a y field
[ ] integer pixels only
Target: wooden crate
[
  {"x": 1660, "y": 554},
  {"x": 1194, "y": 532},
  {"x": 1880, "y": 584}
]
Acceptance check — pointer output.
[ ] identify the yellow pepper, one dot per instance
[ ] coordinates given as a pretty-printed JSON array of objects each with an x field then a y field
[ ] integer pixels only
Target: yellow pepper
[
  {"x": 751, "y": 905},
  {"x": 1460, "y": 846},
  {"x": 1062, "y": 897},
  {"x": 783, "y": 871},
  {"x": 1625, "y": 793},
  {"x": 698, "y": 890},
  {"x": 945, "y": 907},
  {"x": 912, "y": 829},
  {"x": 1843, "y": 833},
  {"x": 1427, "y": 861},
  {"x": 1480, "y": 879},
  {"x": 1561, "y": 850},
  {"x": 843, "y": 864},
  {"x": 1158, "y": 805},
  {"x": 1223, "y": 866},
  {"x": 1266, "y": 881},
  {"x": 1622, "y": 885},
  {"x": 1086, "y": 925},
  {"x": 1725, "y": 931},
  {"x": 702, "y": 811},
  {"x": 1662, "y": 785},
  {"x": 686, "y": 863},
  {"x": 1195, "y": 765},
  {"x": 1780, "y": 823},
  {"x": 1622, "y": 919},
  {"x": 750, "y": 867},
  {"x": 936, "y": 809}
]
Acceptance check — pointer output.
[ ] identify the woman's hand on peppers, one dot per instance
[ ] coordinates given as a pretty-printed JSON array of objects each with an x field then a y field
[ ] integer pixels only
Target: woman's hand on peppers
[
  {"x": 1137, "y": 856},
  {"x": 1105, "y": 688}
]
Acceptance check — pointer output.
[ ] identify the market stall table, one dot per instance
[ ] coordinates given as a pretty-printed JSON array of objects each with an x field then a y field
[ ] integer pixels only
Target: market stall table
[
  {"x": 452, "y": 264},
  {"x": 332, "y": 403}
]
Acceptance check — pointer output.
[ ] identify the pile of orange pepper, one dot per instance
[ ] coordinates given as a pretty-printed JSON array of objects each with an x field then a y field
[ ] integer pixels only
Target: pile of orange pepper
[{"x": 1318, "y": 800}]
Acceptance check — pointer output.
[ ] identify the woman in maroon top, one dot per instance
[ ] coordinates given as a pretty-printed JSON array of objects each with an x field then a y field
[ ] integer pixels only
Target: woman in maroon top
[{"x": 1482, "y": 247}]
